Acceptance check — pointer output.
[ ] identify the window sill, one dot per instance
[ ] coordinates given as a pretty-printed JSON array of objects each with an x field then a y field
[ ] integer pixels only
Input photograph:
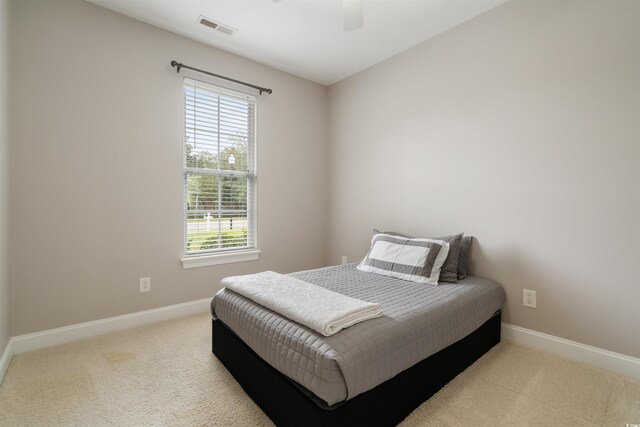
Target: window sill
[{"x": 226, "y": 258}]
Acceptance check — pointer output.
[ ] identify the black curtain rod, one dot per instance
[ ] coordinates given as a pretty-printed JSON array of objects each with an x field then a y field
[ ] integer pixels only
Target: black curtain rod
[{"x": 178, "y": 65}]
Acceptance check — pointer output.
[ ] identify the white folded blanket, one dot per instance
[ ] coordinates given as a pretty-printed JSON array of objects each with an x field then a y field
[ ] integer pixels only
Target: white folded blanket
[{"x": 320, "y": 309}]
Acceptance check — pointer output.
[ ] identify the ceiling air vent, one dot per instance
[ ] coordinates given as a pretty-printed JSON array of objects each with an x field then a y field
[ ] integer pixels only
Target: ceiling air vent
[{"x": 216, "y": 26}]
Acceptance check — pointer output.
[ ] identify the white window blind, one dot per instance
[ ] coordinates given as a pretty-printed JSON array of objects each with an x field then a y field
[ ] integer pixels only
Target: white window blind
[{"x": 219, "y": 169}]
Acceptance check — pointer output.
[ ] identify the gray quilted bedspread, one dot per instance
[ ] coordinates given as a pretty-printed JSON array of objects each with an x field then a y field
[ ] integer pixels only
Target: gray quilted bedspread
[{"x": 418, "y": 320}]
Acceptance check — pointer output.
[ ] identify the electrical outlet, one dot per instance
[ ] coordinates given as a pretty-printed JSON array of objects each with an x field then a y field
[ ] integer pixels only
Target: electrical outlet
[
  {"x": 145, "y": 284},
  {"x": 344, "y": 259},
  {"x": 529, "y": 298}
]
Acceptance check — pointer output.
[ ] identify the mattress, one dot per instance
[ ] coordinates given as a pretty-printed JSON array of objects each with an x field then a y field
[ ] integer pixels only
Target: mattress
[{"x": 418, "y": 320}]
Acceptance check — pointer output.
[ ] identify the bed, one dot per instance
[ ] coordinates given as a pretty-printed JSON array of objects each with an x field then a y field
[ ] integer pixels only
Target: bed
[{"x": 373, "y": 373}]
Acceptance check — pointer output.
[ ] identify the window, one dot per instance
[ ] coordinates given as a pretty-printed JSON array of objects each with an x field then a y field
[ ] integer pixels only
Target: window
[{"x": 219, "y": 172}]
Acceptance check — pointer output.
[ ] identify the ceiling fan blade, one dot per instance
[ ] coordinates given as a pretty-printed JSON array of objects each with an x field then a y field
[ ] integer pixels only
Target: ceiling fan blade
[{"x": 352, "y": 14}]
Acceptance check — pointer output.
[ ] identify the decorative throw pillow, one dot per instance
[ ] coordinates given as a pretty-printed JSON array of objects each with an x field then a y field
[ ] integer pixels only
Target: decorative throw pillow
[
  {"x": 417, "y": 260},
  {"x": 463, "y": 257},
  {"x": 449, "y": 271}
]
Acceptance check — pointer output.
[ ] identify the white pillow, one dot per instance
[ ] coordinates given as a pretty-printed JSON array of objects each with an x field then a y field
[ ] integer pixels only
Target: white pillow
[{"x": 416, "y": 259}]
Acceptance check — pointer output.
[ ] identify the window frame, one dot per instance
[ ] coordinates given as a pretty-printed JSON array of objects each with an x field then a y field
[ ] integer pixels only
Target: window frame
[{"x": 229, "y": 255}]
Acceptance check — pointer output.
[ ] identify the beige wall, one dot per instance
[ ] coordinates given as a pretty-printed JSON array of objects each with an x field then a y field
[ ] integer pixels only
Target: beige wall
[
  {"x": 4, "y": 176},
  {"x": 520, "y": 127},
  {"x": 96, "y": 194}
]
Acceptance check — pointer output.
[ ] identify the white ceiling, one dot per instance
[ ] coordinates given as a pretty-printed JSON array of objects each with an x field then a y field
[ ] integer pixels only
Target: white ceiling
[{"x": 306, "y": 37}]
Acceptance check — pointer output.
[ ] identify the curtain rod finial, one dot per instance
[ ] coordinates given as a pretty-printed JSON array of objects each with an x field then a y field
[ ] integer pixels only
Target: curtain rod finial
[{"x": 175, "y": 63}]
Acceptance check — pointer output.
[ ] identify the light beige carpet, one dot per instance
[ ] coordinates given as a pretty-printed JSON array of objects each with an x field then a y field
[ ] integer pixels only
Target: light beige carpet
[{"x": 165, "y": 374}]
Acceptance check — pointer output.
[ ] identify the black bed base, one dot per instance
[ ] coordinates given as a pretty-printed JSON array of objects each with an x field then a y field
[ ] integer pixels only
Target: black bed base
[{"x": 385, "y": 405}]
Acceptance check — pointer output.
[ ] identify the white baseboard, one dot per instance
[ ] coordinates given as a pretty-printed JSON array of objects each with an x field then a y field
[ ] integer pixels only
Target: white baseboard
[
  {"x": 572, "y": 350},
  {"x": 615, "y": 362},
  {"x": 51, "y": 337},
  {"x": 6, "y": 359}
]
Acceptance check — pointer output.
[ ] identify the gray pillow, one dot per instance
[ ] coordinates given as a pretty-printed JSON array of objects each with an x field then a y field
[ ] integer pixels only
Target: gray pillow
[
  {"x": 463, "y": 256},
  {"x": 449, "y": 271}
]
